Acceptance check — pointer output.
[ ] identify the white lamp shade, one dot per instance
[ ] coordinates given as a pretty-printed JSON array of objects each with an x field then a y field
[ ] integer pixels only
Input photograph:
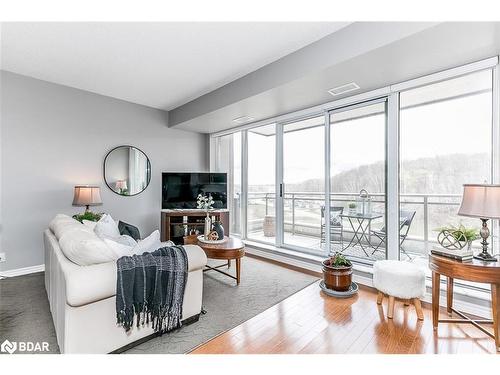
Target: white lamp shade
[
  {"x": 481, "y": 200},
  {"x": 87, "y": 196}
]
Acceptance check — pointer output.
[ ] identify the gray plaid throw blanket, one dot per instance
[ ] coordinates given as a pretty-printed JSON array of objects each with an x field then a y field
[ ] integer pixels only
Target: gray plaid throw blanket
[{"x": 151, "y": 287}]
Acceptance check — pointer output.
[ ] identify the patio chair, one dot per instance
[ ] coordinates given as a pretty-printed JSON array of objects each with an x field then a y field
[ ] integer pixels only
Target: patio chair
[
  {"x": 336, "y": 227},
  {"x": 405, "y": 220}
]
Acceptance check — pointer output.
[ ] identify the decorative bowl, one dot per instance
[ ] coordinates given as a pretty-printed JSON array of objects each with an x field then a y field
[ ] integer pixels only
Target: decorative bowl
[{"x": 203, "y": 240}]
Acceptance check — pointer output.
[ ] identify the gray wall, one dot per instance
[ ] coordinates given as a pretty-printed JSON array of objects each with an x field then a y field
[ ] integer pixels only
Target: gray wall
[{"x": 54, "y": 137}]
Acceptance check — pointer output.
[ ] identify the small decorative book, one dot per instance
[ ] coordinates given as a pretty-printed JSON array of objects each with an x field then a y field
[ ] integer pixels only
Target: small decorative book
[{"x": 460, "y": 255}]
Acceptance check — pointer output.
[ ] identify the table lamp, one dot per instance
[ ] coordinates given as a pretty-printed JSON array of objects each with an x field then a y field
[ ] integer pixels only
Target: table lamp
[
  {"x": 121, "y": 186},
  {"x": 87, "y": 196},
  {"x": 481, "y": 201}
]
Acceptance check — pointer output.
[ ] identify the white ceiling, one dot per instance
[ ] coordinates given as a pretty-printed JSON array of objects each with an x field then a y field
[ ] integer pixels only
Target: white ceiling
[{"x": 161, "y": 65}]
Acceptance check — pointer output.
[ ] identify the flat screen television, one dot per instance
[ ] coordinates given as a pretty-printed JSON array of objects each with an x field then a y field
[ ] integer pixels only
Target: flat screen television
[{"x": 180, "y": 190}]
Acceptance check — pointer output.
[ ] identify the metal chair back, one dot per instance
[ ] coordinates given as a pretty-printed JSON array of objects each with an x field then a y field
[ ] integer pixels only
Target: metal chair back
[
  {"x": 405, "y": 220},
  {"x": 339, "y": 209}
]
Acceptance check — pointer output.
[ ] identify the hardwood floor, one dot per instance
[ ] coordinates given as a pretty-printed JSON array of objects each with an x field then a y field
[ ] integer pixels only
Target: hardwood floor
[{"x": 311, "y": 322}]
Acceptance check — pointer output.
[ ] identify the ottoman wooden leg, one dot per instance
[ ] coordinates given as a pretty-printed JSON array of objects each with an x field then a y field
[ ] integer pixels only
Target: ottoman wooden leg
[
  {"x": 418, "y": 308},
  {"x": 390, "y": 307},
  {"x": 380, "y": 298}
]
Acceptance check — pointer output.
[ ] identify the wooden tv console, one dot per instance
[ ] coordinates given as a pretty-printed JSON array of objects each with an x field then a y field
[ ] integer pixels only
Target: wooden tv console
[{"x": 176, "y": 223}]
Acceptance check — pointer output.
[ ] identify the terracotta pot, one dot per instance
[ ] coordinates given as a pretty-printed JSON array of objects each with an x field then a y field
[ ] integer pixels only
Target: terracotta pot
[{"x": 337, "y": 278}]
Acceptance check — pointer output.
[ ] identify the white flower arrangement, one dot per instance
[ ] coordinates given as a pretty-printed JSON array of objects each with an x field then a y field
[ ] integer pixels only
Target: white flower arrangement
[{"x": 205, "y": 202}]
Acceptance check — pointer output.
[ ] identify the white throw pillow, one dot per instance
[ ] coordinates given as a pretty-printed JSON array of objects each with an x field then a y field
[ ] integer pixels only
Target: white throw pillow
[
  {"x": 106, "y": 227},
  {"x": 62, "y": 224},
  {"x": 148, "y": 245},
  {"x": 122, "y": 245},
  {"x": 125, "y": 239},
  {"x": 119, "y": 249},
  {"x": 84, "y": 248},
  {"x": 89, "y": 224}
]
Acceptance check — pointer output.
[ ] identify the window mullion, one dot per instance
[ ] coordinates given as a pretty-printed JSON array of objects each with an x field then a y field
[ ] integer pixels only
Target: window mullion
[
  {"x": 278, "y": 202},
  {"x": 244, "y": 184},
  {"x": 392, "y": 176},
  {"x": 327, "y": 183}
]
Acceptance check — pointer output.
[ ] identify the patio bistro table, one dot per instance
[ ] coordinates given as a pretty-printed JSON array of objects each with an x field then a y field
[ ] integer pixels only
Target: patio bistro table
[{"x": 360, "y": 225}]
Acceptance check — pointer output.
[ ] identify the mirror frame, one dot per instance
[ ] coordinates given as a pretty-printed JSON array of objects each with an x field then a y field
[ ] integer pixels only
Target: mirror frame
[{"x": 148, "y": 167}]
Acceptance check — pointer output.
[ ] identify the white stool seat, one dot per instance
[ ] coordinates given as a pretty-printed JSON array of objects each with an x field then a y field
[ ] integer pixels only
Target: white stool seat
[{"x": 399, "y": 279}]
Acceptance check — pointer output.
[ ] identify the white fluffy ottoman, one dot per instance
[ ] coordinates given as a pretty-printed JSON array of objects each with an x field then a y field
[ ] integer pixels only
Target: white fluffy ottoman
[{"x": 399, "y": 280}]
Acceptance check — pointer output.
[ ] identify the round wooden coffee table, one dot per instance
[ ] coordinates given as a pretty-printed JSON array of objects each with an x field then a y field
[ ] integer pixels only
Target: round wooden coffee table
[{"x": 233, "y": 248}]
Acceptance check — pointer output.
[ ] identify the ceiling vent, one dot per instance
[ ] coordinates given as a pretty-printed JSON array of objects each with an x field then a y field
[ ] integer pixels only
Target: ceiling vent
[
  {"x": 243, "y": 119},
  {"x": 343, "y": 89}
]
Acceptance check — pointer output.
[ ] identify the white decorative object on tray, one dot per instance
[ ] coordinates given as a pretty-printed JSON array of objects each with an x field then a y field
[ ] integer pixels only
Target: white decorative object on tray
[
  {"x": 202, "y": 239},
  {"x": 352, "y": 290}
]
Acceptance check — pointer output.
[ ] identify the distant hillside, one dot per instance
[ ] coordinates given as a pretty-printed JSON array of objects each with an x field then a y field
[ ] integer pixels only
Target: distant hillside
[{"x": 439, "y": 175}]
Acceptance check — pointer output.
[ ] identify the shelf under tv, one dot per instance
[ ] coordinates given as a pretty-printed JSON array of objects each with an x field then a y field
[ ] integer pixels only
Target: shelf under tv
[{"x": 172, "y": 221}]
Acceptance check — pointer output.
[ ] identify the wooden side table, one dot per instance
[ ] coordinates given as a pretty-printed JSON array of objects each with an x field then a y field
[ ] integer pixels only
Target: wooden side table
[
  {"x": 475, "y": 271},
  {"x": 233, "y": 248}
]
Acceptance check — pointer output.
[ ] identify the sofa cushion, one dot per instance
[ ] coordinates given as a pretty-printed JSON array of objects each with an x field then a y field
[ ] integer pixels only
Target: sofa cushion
[
  {"x": 84, "y": 248},
  {"x": 148, "y": 245},
  {"x": 130, "y": 230},
  {"x": 107, "y": 227},
  {"x": 93, "y": 283},
  {"x": 126, "y": 246},
  {"x": 62, "y": 224},
  {"x": 119, "y": 249},
  {"x": 89, "y": 224}
]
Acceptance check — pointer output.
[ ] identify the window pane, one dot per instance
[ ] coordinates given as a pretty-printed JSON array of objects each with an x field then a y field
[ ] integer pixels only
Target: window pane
[
  {"x": 304, "y": 179},
  {"x": 228, "y": 159},
  {"x": 445, "y": 142},
  {"x": 261, "y": 184},
  {"x": 357, "y": 142}
]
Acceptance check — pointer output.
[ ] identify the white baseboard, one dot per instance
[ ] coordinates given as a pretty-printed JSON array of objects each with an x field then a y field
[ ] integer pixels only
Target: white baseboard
[
  {"x": 473, "y": 303},
  {"x": 23, "y": 271}
]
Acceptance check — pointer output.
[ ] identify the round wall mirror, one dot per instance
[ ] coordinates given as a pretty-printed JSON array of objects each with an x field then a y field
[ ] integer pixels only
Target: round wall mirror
[{"x": 127, "y": 170}]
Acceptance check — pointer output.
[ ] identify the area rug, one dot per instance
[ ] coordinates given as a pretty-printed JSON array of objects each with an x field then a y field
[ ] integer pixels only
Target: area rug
[{"x": 25, "y": 315}]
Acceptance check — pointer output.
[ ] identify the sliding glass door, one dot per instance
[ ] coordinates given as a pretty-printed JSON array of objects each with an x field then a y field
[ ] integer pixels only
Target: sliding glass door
[
  {"x": 304, "y": 183},
  {"x": 261, "y": 200},
  {"x": 357, "y": 216}
]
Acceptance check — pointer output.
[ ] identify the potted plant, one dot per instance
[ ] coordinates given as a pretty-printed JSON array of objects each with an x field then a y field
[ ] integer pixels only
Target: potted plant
[
  {"x": 352, "y": 208},
  {"x": 88, "y": 215},
  {"x": 337, "y": 273}
]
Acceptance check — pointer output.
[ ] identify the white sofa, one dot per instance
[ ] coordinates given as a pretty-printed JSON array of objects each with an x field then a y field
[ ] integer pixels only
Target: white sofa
[{"x": 82, "y": 301}]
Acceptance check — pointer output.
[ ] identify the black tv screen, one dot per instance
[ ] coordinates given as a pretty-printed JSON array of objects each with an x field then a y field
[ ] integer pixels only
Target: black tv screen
[{"x": 180, "y": 190}]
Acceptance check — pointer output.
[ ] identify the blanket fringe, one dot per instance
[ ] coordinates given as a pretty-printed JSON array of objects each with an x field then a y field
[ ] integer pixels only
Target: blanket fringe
[{"x": 161, "y": 318}]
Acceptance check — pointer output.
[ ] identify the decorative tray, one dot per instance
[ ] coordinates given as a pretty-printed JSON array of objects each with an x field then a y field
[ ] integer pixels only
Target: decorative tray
[
  {"x": 352, "y": 290},
  {"x": 202, "y": 239}
]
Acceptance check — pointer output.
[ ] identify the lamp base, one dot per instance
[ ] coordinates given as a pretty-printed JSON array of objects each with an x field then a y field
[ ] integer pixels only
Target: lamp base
[{"x": 486, "y": 257}]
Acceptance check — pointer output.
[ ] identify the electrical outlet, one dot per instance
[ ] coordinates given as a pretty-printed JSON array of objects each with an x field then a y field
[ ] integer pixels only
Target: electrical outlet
[{"x": 3, "y": 257}]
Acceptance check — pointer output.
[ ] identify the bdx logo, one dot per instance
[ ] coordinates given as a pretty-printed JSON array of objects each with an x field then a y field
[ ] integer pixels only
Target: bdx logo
[{"x": 24, "y": 346}]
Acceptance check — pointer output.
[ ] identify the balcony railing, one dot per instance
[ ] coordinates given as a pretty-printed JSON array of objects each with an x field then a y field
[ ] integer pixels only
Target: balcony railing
[{"x": 302, "y": 214}]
